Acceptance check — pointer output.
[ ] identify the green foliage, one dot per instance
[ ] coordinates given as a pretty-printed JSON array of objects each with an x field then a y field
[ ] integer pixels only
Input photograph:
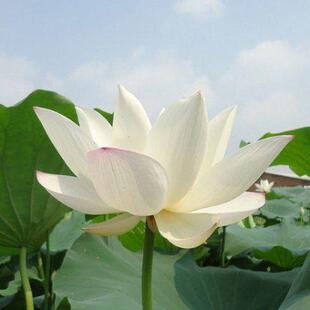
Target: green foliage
[
  {"x": 101, "y": 274},
  {"x": 282, "y": 208},
  {"x": 296, "y": 154},
  {"x": 286, "y": 234},
  {"x": 281, "y": 257},
  {"x": 27, "y": 212},
  {"x": 229, "y": 288},
  {"x": 134, "y": 240},
  {"x": 293, "y": 193},
  {"x": 298, "y": 297},
  {"x": 15, "y": 285},
  {"x": 4, "y": 251},
  {"x": 286, "y": 202},
  {"x": 280, "y": 240},
  {"x": 106, "y": 115},
  {"x": 243, "y": 143},
  {"x": 67, "y": 231}
]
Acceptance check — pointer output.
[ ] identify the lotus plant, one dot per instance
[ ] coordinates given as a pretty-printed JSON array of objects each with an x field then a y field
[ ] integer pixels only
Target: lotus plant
[
  {"x": 264, "y": 186},
  {"x": 173, "y": 174}
]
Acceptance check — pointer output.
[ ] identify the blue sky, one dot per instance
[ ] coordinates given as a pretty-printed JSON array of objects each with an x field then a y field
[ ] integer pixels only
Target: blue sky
[{"x": 252, "y": 53}]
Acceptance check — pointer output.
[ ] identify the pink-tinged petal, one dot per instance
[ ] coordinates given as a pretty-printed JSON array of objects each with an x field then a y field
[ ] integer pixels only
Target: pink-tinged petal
[
  {"x": 73, "y": 192},
  {"x": 95, "y": 125},
  {"x": 178, "y": 141},
  {"x": 233, "y": 175},
  {"x": 118, "y": 225},
  {"x": 71, "y": 142},
  {"x": 185, "y": 230},
  {"x": 237, "y": 209},
  {"x": 128, "y": 181},
  {"x": 131, "y": 124}
]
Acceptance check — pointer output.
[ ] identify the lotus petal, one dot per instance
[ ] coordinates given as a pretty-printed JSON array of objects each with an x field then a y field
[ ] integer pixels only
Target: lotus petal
[
  {"x": 71, "y": 142},
  {"x": 177, "y": 141},
  {"x": 95, "y": 125},
  {"x": 237, "y": 209},
  {"x": 73, "y": 192},
  {"x": 116, "y": 226},
  {"x": 185, "y": 230},
  {"x": 130, "y": 123},
  {"x": 233, "y": 175},
  {"x": 128, "y": 181}
]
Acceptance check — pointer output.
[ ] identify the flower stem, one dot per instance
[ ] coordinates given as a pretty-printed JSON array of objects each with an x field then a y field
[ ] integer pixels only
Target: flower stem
[
  {"x": 147, "y": 268},
  {"x": 249, "y": 222},
  {"x": 47, "y": 292},
  {"x": 24, "y": 278},
  {"x": 222, "y": 254},
  {"x": 40, "y": 266}
]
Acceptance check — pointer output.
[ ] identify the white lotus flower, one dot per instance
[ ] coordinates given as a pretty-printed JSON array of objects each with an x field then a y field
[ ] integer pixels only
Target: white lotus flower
[
  {"x": 173, "y": 171},
  {"x": 264, "y": 186}
]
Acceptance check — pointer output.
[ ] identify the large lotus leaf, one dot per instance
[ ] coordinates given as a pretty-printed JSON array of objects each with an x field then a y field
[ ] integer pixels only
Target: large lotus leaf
[
  {"x": 298, "y": 297},
  {"x": 27, "y": 211},
  {"x": 286, "y": 202},
  {"x": 66, "y": 231},
  {"x": 282, "y": 208},
  {"x": 230, "y": 288},
  {"x": 281, "y": 257},
  {"x": 296, "y": 154},
  {"x": 100, "y": 274},
  {"x": 15, "y": 285},
  {"x": 291, "y": 192},
  {"x": 286, "y": 234},
  {"x": 298, "y": 194}
]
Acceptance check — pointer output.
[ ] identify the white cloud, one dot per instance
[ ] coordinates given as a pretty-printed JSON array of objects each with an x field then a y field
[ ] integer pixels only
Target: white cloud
[
  {"x": 156, "y": 83},
  {"x": 268, "y": 67},
  {"x": 16, "y": 78},
  {"x": 269, "y": 83},
  {"x": 199, "y": 7}
]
